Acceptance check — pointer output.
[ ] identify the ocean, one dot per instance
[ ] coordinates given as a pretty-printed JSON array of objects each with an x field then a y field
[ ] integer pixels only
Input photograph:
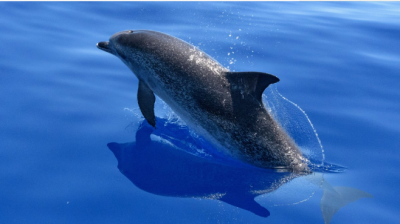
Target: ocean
[{"x": 72, "y": 133}]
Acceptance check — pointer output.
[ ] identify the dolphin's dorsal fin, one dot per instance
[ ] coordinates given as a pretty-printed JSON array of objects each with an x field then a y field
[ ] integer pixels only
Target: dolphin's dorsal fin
[
  {"x": 253, "y": 83},
  {"x": 146, "y": 100}
]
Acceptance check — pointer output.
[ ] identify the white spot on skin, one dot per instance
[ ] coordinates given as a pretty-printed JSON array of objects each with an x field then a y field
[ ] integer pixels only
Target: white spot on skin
[{"x": 203, "y": 60}]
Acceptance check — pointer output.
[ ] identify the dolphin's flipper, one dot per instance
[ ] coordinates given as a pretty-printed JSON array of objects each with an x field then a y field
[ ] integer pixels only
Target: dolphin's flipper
[
  {"x": 334, "y": 198},
  {"x": 115, "y": 148},
  {"x": 252, "y": 83},
  {"x": 246, "y": 202},
  {"x": 146, "y": 100}
]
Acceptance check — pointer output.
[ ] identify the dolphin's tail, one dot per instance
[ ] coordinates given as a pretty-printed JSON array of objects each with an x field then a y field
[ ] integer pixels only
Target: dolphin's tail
[{"x": 334, "y": 198}]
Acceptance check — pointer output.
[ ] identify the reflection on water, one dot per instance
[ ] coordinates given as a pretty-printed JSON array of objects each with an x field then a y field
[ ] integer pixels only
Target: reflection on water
[
  {"x": 158, "y": 166},
  {"x": 164, "y": 163}
]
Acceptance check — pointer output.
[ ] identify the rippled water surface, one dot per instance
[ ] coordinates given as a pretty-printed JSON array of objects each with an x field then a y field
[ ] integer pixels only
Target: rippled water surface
[{"x": 63, "y": 101}]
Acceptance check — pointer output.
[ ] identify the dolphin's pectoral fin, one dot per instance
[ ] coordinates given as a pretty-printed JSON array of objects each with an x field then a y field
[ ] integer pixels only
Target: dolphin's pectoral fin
[
  {"x": 245, "y": 202},
  {"x": 146, "y": 100},
  {"x": 253, "y": 83}
]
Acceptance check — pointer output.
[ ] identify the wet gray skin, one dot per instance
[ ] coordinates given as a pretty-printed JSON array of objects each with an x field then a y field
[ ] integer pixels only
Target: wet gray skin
[{"x": 224, "y": 107}]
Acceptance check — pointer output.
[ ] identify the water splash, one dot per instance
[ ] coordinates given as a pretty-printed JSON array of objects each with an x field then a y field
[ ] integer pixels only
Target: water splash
[{"x": 297, "y": 125}]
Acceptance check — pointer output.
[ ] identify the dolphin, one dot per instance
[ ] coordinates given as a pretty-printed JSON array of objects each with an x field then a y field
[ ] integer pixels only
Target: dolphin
[{"x": 224, "y": 107}]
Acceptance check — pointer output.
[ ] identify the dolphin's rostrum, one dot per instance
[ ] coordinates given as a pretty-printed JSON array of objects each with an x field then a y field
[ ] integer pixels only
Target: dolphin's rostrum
[{"x": 224, "y": 107}]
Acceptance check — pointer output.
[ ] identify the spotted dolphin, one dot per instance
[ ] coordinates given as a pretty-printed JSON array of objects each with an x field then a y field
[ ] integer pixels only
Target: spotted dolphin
[{"x": 224, "y": 107}]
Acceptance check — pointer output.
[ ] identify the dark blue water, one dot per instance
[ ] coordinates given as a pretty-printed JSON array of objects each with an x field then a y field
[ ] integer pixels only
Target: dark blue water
[{"x": 63, "y": 100}]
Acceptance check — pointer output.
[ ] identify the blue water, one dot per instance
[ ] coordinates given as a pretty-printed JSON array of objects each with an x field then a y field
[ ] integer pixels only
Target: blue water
[{"x": 63, "y": 101}]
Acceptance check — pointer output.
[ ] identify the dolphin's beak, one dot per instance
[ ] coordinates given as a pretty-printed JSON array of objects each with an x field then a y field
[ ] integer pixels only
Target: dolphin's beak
[{"x": 104, "y": 46}]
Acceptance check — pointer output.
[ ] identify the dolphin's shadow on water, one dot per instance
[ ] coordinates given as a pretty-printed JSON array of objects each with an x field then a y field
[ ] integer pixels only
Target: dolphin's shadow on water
[
  {"x": 158, "y": 166},
  {"x": 159, "y": 162}
]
